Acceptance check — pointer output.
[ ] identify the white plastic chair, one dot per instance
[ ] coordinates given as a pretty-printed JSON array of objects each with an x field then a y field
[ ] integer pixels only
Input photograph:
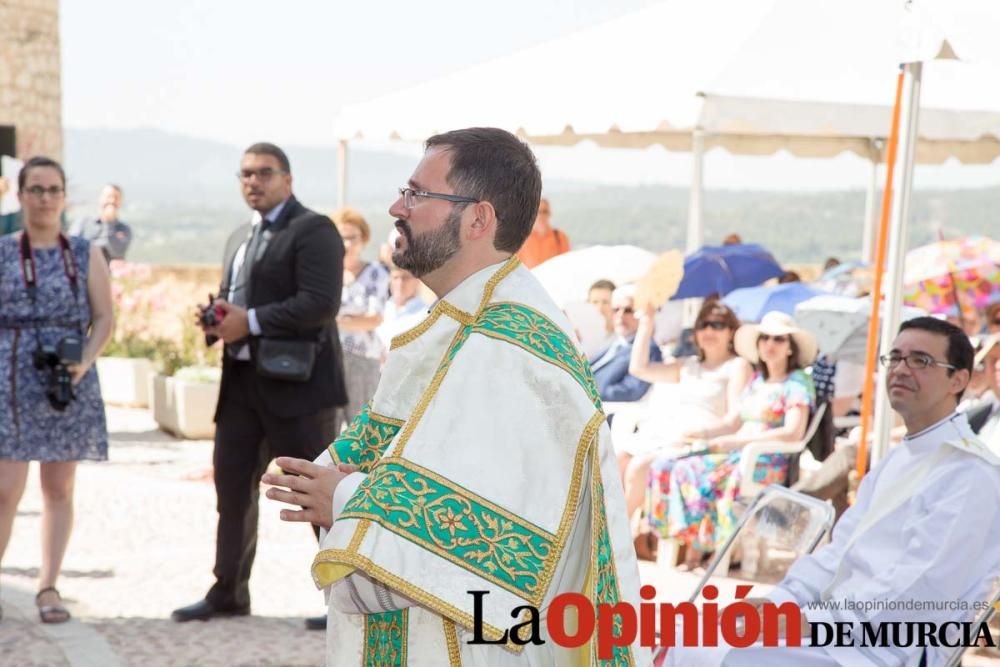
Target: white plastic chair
[
  {"x": 667, "y": 549},
  {"x": 774, "y": 508}
]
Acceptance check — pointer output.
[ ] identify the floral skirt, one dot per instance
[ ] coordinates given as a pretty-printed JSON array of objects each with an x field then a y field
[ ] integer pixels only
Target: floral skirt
[{"x": 692, "y": 499}]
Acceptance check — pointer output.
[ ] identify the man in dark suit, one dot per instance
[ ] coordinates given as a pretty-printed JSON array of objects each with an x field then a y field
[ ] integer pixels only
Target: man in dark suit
[
  {"x": 282, "y": 278},
  {"x": 610, "y": 365}
]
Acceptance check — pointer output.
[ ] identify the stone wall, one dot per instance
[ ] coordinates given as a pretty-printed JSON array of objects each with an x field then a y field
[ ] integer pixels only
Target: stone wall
[{"x": 30, "y": 75}]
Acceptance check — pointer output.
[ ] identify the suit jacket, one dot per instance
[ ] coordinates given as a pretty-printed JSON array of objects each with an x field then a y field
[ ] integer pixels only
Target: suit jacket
[
  {"x": 295, "y": 287},
  {"x": 612, "y": 377}
]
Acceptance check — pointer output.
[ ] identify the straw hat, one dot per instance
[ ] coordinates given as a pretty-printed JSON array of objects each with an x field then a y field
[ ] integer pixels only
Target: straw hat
[{"x": 775, "y": 323}]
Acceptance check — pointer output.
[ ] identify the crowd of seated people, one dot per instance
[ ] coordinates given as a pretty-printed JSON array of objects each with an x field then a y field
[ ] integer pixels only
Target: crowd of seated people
[{"x": 692, "y": 499}]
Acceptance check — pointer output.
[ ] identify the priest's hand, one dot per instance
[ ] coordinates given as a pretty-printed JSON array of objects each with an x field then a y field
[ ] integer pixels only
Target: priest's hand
[
  {"x": 235, "y": 324},
  {"x": 782, "y": 624},
  {"x": 308, "y": 485}
]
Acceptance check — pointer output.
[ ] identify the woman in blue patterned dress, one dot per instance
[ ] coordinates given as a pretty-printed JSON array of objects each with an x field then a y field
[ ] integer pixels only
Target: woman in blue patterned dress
[
  {"x": 775, "y": 406},
  {"x": 51, "y": 288}
]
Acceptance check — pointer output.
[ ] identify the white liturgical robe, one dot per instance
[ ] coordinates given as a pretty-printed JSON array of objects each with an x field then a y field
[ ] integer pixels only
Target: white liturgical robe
[
  {"x": 923, "y": 530},
  {"x": 485, "y": 465}
]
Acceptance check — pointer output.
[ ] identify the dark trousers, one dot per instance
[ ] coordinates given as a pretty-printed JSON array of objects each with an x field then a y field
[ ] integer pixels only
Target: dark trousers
[{"x": 247, "y": 437}]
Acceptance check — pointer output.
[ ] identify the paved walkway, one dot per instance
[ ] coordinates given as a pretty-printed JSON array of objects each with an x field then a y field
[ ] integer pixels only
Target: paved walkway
[{"x": 144, "y": 544}]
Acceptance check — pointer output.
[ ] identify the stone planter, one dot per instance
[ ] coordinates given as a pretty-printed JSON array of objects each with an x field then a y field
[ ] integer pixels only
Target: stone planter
[
  {"x": 125, "y": 381},
  {"x": 184, "y": 409}
]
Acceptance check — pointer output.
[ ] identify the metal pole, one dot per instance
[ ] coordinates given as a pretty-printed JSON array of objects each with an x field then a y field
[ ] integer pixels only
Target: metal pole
[
  {"x": 868, "y": 235},
  {"x": 342, "y": 173},
  {"x": 695, "y": 232},
  {"x": 909, "y": 117}
]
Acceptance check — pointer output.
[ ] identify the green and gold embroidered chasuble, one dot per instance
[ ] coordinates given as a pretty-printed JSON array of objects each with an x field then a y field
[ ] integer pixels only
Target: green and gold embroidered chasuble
[{"x": 488, "y": 468}]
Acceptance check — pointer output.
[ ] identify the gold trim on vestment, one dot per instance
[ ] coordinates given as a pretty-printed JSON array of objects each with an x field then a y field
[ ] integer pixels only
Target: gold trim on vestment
[
  {"x": 451, "y": 639},
  {"x": 356, "y": 561},
  {"x": 442, "y": 307}
]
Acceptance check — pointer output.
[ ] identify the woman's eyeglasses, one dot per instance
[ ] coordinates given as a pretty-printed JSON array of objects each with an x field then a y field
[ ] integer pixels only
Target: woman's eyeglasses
[
  {"x": 714, "y": 325},
  {"x": 763, "y": 338}
]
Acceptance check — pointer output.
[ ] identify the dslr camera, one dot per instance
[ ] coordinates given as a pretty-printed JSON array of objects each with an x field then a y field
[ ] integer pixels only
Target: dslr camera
[
  {"x": 55, "y": 360},
  {"x": 210, "y": 316}
]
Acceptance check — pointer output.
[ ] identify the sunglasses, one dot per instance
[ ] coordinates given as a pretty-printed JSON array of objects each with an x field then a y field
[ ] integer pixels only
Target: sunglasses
[
  {"x": 763, "y": 338},
  {"x": 714, "y": 325},
  {"x": 628, "y": 310}
]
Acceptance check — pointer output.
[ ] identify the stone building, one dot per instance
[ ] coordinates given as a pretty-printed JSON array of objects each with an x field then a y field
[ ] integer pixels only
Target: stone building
[{"x": 30, "y": 82}]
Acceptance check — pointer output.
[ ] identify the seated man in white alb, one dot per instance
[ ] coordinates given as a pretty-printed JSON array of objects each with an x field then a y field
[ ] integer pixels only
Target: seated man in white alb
[{"x": 923, "y": 527}]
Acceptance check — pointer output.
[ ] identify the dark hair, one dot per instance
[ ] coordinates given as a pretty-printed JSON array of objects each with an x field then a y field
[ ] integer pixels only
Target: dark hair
[
  {"x": 960, "y": 353},
  {"x": 721, "y": 310},
  {"x": 792, "y": 361},
  {"x": 493, "y": 165},
  {"x": 789, "y": 277},
  {"x": 603, "y": 283},
  {"x": 830, "y": 263},
  {"x": 265, "y": 148},
  {"x": 36, "y": 162}
]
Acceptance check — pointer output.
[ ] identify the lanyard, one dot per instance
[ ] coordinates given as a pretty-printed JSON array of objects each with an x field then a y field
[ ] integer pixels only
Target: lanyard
[{"x": 30, "y": 274}]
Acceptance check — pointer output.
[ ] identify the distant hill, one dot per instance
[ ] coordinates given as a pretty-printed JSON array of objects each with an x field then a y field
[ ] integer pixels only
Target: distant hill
[{"x": 182, "y": 199}]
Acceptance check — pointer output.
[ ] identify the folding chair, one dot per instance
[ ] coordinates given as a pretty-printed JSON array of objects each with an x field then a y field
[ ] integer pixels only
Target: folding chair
[
  {"x": 774, "y": 509},
  {"x": 984, "y": 617}
]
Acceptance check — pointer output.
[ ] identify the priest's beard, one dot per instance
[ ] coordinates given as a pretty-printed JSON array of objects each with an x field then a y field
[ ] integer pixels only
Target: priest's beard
[{"x": 429, "y": 251}]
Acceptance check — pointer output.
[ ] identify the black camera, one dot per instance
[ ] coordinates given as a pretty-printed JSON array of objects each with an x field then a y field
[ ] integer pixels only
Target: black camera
[
  {"x": 210, "y": 316},
  {"x": 55, "y": 359}
]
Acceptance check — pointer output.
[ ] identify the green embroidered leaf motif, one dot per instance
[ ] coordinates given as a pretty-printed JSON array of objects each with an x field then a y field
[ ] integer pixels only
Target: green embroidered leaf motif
[
  {"x": 453, "y": 523},
  {"x": 386, "y": 639},
  {"x": 365, "y": 440}
]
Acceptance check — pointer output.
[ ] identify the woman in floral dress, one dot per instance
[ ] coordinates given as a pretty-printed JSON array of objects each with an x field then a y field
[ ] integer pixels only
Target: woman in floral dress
[
  {"x": 775, "y": 406},
  {"x": 52, "y": 288}
]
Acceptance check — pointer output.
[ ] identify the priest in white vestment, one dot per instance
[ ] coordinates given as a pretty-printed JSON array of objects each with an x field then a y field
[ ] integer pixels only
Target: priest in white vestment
[
  {"x": 483, "y": 462},
  {"x": 924, "y": 527}
]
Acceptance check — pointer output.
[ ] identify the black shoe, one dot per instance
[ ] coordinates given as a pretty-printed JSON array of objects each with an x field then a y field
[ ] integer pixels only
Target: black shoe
[
  {"x": 202, "y": 610},
  {"x": 316, "y": 623}
]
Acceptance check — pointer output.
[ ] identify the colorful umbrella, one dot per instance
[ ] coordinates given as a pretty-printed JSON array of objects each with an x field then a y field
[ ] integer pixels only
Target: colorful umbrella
[
  {"x": 751, "y": 303},
  {"x": 958, "y": 273},
  {"x": 721, "y": 269}
]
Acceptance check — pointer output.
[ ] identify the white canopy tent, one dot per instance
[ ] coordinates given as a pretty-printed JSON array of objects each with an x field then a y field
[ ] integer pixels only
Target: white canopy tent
[
  {"x": 939, "y": 32},
  {"x": 813, "y": 77}
]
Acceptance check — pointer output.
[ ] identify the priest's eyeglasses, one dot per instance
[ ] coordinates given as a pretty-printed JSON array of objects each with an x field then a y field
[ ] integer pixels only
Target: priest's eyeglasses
[
  {"x": 916, "y": 361},
  {"x": 410, "y": 195}
]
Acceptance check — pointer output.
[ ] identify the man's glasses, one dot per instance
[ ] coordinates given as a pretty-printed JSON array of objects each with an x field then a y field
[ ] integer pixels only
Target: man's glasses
[
  {"x": 628, "y": 310},
  {"x": 916, "y": 361},
  {"x": 714, "y": 325},
  {"x": 52, "y": 191},
  {"x": 763, "y": 338},
  {"x": 410, "y": 195},
  {"x": 263, "y": 175}
]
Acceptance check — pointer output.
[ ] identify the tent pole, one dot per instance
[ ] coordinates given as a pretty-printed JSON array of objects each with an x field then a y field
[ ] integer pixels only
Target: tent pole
[
  {"x": 342, "y": 173},
  {"x": 909, "y": 118},
  {"x": 871, "y": 352},
  {"x": 868, "y": 239},
  {"x": 695, "y": 232}
]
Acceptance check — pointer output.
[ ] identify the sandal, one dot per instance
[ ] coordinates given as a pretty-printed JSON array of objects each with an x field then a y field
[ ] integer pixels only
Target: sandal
[{"x": 56, "y": 613}]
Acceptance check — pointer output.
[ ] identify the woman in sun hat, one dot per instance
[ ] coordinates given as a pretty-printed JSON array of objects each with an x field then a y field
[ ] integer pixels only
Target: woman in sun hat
[{"x": 775, "y": 406}]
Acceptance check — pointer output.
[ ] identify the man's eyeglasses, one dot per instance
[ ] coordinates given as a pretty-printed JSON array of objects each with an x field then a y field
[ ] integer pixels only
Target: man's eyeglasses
[
  {"x": 714, "y": 325},
  {"x": 52, "y": 191},
  {"x": 916, "y": 361},
  {"x": 763, "y": 338},
  {"x": 410, "y": 195},
  {"x": 628, "y": 310},
  {"x": 262, "y": 175}
]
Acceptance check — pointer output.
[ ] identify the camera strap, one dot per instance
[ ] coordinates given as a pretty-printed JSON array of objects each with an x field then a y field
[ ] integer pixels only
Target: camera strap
[{"x": 30, "y": 274}]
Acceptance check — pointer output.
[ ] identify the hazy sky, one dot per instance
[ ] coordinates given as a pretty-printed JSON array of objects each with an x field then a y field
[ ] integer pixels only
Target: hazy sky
[{"x": 241, "y": 70}]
